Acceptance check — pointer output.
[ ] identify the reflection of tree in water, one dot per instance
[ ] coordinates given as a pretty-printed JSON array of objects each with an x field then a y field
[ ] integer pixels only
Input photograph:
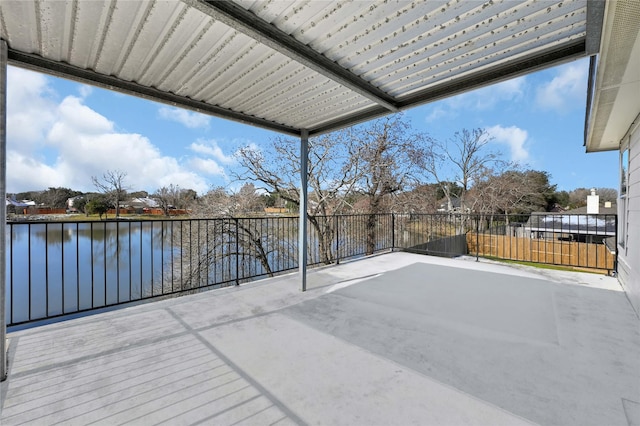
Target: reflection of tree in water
[
  {"x": 229, "y": 250},
  {"x": 150, "y": 258},
  {"x": 56, "y": 233},
  {"x": 94, "y": 264},
  {"x": 352, "y": 233},
  {"x": 105, "y": 253},
  {"x": 50, "y": 233}
]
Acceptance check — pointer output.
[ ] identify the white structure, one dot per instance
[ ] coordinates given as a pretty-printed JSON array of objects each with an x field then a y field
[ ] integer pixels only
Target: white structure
[
  {"x": 593, "y": 203},
  {"x": 614, "y": 124}
]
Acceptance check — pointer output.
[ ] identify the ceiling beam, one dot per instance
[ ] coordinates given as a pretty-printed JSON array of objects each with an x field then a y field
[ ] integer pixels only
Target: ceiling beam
[
  {"x": 476, "y": 80},
  {"x": 513, "y": 68},
  {"x": 595, "y": 19},
  {"x": 249, "y": 24},
  {"x": 64, "y": 70}
]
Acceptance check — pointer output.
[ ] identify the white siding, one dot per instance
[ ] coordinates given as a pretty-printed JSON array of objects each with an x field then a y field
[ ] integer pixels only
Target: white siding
[{"x": 629, "y": 254}]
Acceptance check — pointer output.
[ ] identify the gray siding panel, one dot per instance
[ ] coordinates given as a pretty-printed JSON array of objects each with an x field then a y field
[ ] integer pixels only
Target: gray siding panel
[{"x": 629, "y": 256}]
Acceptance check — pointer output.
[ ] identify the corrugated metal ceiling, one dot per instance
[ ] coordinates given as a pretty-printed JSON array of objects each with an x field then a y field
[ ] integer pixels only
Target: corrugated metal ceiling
[{"x": 294, "y": 65}]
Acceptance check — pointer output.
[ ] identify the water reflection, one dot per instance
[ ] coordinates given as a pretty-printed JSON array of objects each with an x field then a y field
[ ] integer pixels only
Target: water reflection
[{"x": 58, "y": 268}]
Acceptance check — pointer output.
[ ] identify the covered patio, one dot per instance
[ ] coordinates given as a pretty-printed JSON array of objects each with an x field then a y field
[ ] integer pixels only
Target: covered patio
[
  {"x": 392, "y": 339},
  {"x": 397, "y": 338},
  {"x": 298, "y": 68}
]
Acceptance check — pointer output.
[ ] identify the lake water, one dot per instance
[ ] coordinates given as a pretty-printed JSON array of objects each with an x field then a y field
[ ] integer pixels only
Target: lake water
[
  {"x": 70, "y": 267},
  {"x": 57, "y": 268}
]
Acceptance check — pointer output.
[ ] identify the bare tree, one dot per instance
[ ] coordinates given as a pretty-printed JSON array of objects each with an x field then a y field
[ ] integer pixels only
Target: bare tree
[
  {"x": 212, "y": 247},
  {"x": 578, "y": 196},
  {"x": 383, "y": 155},
  {"x": 112, "y": 185},
  {"x": 511, "y": 191},
  {"x": 246, "y": 200},
  {"x": 423, "y": 198},
  {"x": 607, "y": 194},
  {"x": 462, "y": 159},
  {"x": 56, "y": 198},
  {"x": 330, "y": 175},
  {"x": 166, "y": 197}
]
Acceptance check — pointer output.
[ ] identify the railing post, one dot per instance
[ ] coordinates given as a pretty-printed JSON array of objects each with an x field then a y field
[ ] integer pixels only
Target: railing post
[
  {"x": 3, "y": 208},
  {"x": 477, "y": 238},
  {"x": 302, "y": 228},
  {"x": 237, "y": 254},
  {"x": 393, "y": 231},
  {"x": 336, "y": 223},
  {"x": 615, "y": 260}
]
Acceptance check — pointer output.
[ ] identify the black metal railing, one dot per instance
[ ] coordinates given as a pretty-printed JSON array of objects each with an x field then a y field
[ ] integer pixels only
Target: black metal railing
[
  {"x": 439, "y": 234},
  {"x": 575, "y": 240},
  {"x": 61, "y": 268}
]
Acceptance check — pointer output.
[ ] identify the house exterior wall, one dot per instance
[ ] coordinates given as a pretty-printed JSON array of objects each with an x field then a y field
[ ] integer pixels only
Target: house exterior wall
[{"x": 629, "y": 214}]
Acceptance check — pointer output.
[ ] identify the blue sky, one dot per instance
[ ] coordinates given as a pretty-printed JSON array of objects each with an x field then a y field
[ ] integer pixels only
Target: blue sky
[{"x": 60, "y": 133}]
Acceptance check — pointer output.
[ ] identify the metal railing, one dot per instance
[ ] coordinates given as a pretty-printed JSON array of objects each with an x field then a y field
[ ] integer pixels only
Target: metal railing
[
  {"x": 61, "y": 268},
  {"x": 438, "y": 234},
  {"x": 574, "y": 240}
]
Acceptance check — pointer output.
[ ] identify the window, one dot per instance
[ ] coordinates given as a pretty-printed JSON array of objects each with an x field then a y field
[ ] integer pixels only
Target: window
[
  {"x": 624, "y": 170},
  {"x": 624, "y": 179}
]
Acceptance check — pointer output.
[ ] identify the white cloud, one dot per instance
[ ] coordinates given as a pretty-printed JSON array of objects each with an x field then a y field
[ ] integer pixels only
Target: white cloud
[
  {"x": 487, "y": 97},
  {"x": 30, "y": 109},
  {"x": 25, "y": 173},
  {"x": 208, "y": 166},
  {"x": 74, "y": 115},
  {"x": 482, "y": 99},
  {"x": 212, "y": 149},
  {"x": 514, "y": 137},
  {"x": 68, "y": 142},
  {"x": 192, "y": 120},
  {"x": 437, "y": 113},
  {"x": 85, "y": 90},
  {"x": 566, "y": 90}
]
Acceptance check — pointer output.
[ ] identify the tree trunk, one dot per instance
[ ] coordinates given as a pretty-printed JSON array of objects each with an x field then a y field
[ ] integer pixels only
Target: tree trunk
[
  {"x": 371, "y": 233},
  {"x": 325, "y": 236}
]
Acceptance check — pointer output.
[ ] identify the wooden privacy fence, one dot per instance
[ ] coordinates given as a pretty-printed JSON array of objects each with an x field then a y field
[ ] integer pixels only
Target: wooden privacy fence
[{"x": 566, "y": 253}]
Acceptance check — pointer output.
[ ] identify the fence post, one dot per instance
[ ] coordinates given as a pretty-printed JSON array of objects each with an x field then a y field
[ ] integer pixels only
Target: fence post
[
  {"x": 237, "y": 255},
  {"x": 477, "y": 238},
  {"x": 336, "y": 224},
  {"x": 393, "y": 231},
  {"x": 615, "y": 260},
  {"x": 302, "y": 226}
]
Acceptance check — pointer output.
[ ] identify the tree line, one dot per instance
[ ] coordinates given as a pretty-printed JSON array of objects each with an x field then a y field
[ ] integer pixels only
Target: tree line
[{"x": 380, "y": 166}]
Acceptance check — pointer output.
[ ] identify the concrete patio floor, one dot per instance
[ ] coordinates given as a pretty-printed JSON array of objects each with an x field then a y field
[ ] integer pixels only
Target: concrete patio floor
[{"x": 395, "y": 339}]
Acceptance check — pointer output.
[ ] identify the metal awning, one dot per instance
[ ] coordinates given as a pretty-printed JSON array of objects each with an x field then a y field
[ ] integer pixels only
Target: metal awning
[
  {"x": 293, "y": 65},
  {"x": 299, "y": 67}
]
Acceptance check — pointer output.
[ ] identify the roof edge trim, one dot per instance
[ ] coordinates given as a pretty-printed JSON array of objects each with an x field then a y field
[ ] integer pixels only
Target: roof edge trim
[
  {"x": 63, "y": 70},
  {"x": 591, "y": 84},
  {"x": 595, "y": 20},
  {"x": 350, "y": 120},
  {"x": 565, "y": 53}
]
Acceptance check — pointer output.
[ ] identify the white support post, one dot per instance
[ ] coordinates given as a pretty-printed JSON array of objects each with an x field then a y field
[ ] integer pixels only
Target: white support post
[
  {"x": 3, "y": 207},
  {"x": 302, "y": 228}
]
